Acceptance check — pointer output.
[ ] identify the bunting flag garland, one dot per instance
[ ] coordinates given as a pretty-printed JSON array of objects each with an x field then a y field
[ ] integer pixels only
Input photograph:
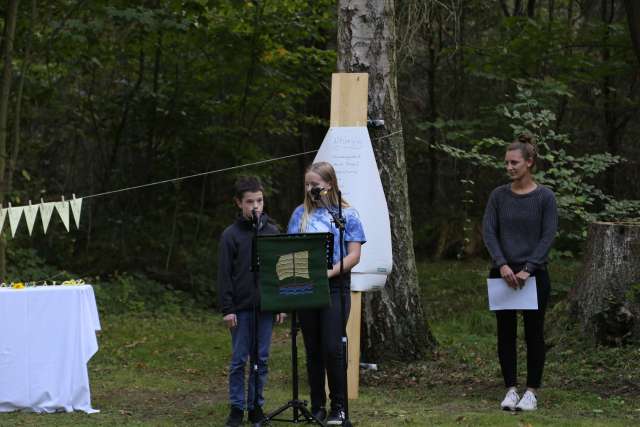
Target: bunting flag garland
[
  {"x": 3, "y": 216},
  {"x": 30, "y": 213},
  {"x": 76, "y": 206},
  {"x": 15, "y": 214},
  {"x": 46, "y": 209},
  {"x": 63, "y": 210}
]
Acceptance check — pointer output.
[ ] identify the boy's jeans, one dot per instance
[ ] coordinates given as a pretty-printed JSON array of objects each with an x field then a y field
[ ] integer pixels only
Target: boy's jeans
[{"x": 241, "y": 344}]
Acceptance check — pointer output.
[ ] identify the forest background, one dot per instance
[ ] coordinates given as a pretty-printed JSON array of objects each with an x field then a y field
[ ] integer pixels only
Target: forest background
[{"x": 103, "y": 95}]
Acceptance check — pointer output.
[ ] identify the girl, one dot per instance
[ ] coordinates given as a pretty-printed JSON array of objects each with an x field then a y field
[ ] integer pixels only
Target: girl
[
  {"x": 322, "y": 328},
  {"x": 520, "y": 223}
]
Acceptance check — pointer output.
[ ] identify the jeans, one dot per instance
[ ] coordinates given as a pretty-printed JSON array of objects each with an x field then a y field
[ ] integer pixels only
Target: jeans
[
  {"x": 322, "y": 332},
  {"x": 241, "y": 343},
  {"x": 534, "y": 335}
]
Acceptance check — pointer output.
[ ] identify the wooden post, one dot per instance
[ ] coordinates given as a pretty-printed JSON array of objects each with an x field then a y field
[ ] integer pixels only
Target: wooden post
[
  {"x": 349, "y": 99},
  {"x": 353, "y": 337}
]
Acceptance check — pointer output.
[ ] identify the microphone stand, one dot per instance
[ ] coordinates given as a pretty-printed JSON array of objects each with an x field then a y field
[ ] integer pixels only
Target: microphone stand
[
  {"x": 255, "y": 268},
  {"x": 340, "y": 224}
]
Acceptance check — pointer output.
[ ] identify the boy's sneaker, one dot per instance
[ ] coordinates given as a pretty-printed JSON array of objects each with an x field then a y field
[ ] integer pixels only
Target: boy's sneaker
[
  {"x": 256, "y": 415},
  {"x": 528, "y": 402},
  {"x": 319, "y": 414},
  {"x": 336, "y": 417},
  {"x": 510, "y": 401},
  {"x": 235, "y": 417}
]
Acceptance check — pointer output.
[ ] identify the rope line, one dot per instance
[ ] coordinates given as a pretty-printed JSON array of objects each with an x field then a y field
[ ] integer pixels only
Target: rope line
[{"x": 261, "y": 162}]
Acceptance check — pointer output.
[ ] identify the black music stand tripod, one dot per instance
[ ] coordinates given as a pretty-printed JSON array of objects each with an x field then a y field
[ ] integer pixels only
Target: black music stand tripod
[{"x": 300, "y": 411}]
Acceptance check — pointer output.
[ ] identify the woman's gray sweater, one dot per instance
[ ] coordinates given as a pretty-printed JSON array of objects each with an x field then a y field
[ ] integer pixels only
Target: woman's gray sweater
[{"x": 519, "y": 229}]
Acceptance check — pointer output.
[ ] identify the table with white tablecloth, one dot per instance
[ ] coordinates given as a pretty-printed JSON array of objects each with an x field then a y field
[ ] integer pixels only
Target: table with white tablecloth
[{"x": 47, "y": 336}]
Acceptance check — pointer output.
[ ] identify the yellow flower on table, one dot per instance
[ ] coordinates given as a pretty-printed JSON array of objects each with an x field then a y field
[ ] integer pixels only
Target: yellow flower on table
[{"x": 17, "y": 285}]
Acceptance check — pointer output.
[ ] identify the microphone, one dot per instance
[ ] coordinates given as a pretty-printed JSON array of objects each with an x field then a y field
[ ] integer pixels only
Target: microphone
[
  {"x": 316, "y": 192},
  {"x": 254, "y": 216}
]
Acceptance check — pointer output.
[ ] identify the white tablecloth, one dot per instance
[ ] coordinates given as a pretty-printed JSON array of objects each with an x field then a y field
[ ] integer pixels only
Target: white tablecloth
[{"x": 47, "y": 336}]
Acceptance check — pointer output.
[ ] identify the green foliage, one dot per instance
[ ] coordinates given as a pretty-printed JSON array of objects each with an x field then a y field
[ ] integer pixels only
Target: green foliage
[
  {"x": 24, "y": 264},
  {"x": 579, "y": 201},
  {"x": 136, "y": 294}
]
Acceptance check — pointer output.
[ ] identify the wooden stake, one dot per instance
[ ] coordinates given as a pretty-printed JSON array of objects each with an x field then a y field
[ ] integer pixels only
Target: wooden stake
[
  {"x": 349, "y": 99},
  {"x": 353, "y": 336}
]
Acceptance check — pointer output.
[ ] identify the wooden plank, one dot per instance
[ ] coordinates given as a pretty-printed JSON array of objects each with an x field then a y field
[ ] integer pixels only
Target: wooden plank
[
  {"x": 353, "y": 339},
  {"x": 349, "y": 93},
  {"x": 353, "y": 347},
  {"x": 349, "y": 99}
]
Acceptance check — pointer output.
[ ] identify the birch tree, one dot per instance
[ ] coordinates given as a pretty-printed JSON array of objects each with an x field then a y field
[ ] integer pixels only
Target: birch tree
[{"x": 394, "y": 325}]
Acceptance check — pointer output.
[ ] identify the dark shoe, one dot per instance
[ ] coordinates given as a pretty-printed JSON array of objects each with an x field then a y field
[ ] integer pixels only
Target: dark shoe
[
  {"x": 235, "y": 417},
  {"x": 336, "y": 417},
  {"x": 319, "y": 414},
  {"x": 256, "y": 415}
]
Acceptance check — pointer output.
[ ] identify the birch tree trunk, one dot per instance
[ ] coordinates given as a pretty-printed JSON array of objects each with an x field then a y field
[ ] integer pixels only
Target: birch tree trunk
[{"x": 394, "y": 326}]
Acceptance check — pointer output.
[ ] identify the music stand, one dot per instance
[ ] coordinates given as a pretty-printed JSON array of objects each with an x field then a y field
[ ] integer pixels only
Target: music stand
[{"x": 300, "y": 281}]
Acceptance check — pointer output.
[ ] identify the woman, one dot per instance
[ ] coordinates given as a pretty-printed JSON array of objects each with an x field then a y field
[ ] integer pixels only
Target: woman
[
  {"x": 520, "y": 223},
  {"x": 322, "y": 328}
]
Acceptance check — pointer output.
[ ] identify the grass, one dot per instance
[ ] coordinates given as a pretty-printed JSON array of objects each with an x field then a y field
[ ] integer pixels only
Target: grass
[{"x": 170, "y": 369}]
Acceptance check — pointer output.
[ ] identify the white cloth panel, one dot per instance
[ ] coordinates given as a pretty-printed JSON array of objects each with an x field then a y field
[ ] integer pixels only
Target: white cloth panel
[
  {"x": 46, "y": 209},
  {"x": 350, "y": 152},
  {"x": 47, "y": 336},
  {"x": 30, "y": 214},
  {"x": 3, "y": 217},
  {"x": 15, "y": 215},
  {"x": 63, "y": 211},
  {"x": 76, "y": 207}
]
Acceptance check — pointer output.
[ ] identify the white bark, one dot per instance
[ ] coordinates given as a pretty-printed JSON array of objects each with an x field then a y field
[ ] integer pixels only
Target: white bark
[{"x": 394, "y": 324}]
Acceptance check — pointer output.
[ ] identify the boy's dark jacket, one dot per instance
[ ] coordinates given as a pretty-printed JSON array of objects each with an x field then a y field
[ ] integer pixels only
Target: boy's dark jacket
[{"x": 235, "y": 278}]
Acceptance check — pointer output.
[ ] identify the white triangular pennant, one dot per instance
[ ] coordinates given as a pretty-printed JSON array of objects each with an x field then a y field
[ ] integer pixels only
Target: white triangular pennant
[
  {"x": 76, "y": 206},
  {"x": 15, "y": 214},
  {"x": 46, "y": 209},
  {"x": 3, "y": 216},
  {"x": 63, "y": 210},
  {"x": 30, "y": 213}
]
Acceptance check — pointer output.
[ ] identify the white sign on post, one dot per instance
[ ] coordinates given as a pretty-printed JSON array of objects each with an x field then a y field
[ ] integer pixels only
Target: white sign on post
[{"x": 350, "y": 152}]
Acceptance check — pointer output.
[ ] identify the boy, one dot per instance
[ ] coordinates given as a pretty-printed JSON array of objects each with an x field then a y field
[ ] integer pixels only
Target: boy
[{"x": 237, "y": 297}]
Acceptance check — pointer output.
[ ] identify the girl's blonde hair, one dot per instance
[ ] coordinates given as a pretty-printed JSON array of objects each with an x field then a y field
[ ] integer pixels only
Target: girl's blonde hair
[{"x": 328, "y": 174}]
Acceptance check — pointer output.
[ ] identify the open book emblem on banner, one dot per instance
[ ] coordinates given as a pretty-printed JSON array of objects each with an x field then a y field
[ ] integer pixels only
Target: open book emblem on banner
[{"x": 293, "y": 266}]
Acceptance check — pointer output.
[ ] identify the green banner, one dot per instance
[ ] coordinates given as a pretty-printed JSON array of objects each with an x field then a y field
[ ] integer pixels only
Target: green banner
[{"x": 293, "y": 271}]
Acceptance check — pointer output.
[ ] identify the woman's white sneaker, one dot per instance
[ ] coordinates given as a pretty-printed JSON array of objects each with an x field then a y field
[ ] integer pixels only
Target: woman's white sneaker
[
  {"x": 510, "y": 400},
  {"x": 528, "y": 402}
]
